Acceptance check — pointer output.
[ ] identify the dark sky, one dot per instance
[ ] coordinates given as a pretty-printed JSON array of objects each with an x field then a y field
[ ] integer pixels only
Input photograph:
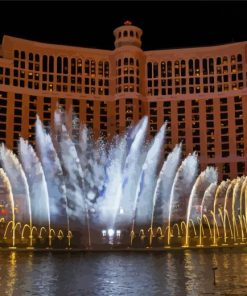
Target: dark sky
[{"x": 90, "y": 24}]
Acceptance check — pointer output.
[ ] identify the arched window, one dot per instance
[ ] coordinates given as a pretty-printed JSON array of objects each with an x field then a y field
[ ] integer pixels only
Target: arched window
[
  {"x": 16, "y": 54},
  {"x": 137, "y": 35},
  {"x": 239, "y": 58},
  {"x": 233, "y": 59},
  {"x": 106, "y": 69},
  {"x": 191, "y": 68},
  {"x": 205, "y": 66},
  {"x": 125, "y": 61},
  {"x": 125, "y": 33},
  {"x": 169, "y": 69},
  {"x": 163, "y": 69},
  {"x": 30, "y": 56},
  {"x": 51, "y": 64},
  {"x": 225, "y": 59},
  {"x": 65, "y": 65},
  {"x": 73, "y": 66},
  {"x": 131, "y": 61},
  {"x": 59, "y": 65},
  {"x": 197, "y": 65},
  {"x": 23, "y": 56},
  {"x": 176, "y": 66},
  {"x": 183, "y": 68},
  {"x": 87, "y": 66},
  {"x": 131, "y": 33},
  {"x": 100, "y": 68},
  {"x": 79, "y": 66},
  {"x": 37, "y": 58},
  {"x": 119, "y": 34},
  {"x": 93, "y": 70},
  {"x": 155, "y": 70},
  {"x": 119, "y": 63},
  {"x": 218, "y": 61},
  {"x": 211, "y": 66},
  {"x": 149, "y": 69},
  {"x": 44, "y": 63},
  {"x": 137, "y": 63}
]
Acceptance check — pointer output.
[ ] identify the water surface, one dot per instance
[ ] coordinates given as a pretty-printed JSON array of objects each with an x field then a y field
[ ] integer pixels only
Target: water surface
[{"x": 187, "y": 272}]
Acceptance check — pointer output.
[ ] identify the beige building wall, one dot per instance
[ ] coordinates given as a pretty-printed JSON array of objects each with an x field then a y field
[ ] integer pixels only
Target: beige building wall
[{"x": 201, "y": 93}]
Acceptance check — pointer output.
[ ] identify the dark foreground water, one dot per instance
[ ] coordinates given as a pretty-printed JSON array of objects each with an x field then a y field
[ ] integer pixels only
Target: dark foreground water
[{"x": 186, "y": 272}]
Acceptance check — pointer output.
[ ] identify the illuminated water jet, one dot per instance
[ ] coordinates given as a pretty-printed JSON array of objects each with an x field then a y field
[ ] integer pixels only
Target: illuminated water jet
[{"x": 85, "y": 193}]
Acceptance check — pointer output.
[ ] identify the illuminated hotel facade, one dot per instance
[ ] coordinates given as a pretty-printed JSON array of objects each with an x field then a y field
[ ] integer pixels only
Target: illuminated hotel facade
[{"x": 201, "y": 92}]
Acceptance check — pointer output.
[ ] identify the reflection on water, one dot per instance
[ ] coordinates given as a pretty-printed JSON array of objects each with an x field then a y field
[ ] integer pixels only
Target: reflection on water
[{"x": 187, "y": 272}]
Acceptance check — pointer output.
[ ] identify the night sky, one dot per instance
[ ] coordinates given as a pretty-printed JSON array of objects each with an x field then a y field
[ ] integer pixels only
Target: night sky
[{"x": 90, "y": 24}]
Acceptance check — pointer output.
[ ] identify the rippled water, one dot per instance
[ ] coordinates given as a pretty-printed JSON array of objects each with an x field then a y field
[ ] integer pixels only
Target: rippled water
[{"x": 187, "y": 272}]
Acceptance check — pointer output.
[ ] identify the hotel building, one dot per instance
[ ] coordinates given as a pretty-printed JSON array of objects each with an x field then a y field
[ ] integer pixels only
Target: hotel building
[{"x": 201, "y": 92}]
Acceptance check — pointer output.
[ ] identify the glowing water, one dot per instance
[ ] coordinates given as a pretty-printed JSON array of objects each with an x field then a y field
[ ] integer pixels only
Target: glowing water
[
  {"x": 147, "y": 181},
  {"x": 164, "y": 186},
  {"x": 203, "y": 181},
  {"x": 18, "y": 180},
  {"x": 124, "y": 185},
  {"x": 131, "y": 172},
  {"x": 5, "y": 180},
  {"x": 53, "y": 175},
  {"x": 181, "y": 188},
  {"x": 37, "y": 184}
]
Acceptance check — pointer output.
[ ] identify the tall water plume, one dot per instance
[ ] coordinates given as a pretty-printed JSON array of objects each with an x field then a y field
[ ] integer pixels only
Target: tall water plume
[
  {"x": 164, "y": 186},
  {"x": 18, "y": 181},
  {"x": 132, "y": 170},
  {"x": 148, "y": 179},
  {"x": 53, "y": 174},
  {"x": 207, "y": 204},
  {"x": 37, "y": 183},
  {"x": 77, "y": 208},
  {"x": 4, "y": 181},
  {"x": 108, "y": 203},
  {"x": 203, "y": 181},
  {"x": 93, "y": 158},
  {"x": 181, "y": 188}
]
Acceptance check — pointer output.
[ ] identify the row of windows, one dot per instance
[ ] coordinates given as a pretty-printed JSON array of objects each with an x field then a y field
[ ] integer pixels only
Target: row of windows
[
  {"x": 191, "y": 67},
  {"x": 127, "y": 33},
  {"x": 62, "y": 65}
]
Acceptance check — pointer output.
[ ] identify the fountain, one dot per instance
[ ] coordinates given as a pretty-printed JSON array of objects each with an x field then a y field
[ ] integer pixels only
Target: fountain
[{"x": 77, "y": 192}]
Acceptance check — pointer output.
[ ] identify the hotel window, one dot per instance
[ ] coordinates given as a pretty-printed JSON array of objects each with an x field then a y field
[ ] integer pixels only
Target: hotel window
[
  {"x": 240, "y": 168},
  {"x": 205, "y": 66},
  {"x": 79, "y": 66},
  {"x": 191, "y": 68},
  {"x": 23, "y": 55},
  {"x": 149, "y": 70},
  {"x": 59, "y": 65},
  {"x": 65, "y": 65},
  {"x": 73, "y": 66},
  {"x": 45, "y": 60},
  {"x": 16, "y": 53}
]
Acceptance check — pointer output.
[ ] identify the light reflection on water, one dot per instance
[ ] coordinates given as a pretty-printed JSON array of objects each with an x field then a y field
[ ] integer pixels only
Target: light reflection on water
[{"x": 187, "y": 272}]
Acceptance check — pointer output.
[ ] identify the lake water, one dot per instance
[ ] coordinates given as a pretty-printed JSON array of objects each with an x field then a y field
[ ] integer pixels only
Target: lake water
[{"x": 185, "y": 272}]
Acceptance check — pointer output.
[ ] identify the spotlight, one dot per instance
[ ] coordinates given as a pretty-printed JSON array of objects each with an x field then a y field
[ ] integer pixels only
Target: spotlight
[
  {"x": 103, "y": 232},
  {"x": 111, "y": 232}
]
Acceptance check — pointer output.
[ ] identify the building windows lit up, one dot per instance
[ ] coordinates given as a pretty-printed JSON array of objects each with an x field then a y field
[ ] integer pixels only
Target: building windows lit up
[{"x": 201, "y": 92}]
